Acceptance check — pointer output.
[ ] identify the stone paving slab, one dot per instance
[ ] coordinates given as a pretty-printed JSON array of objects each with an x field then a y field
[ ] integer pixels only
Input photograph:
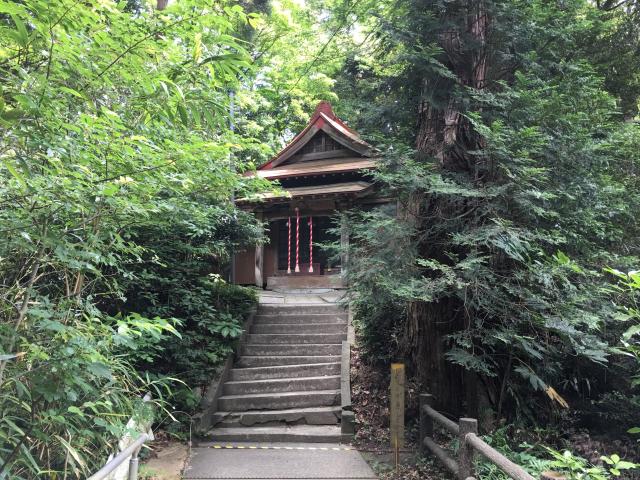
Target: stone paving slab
[
  {"x": 279, "y": 461},
  {"x": 300, "y": 297}
]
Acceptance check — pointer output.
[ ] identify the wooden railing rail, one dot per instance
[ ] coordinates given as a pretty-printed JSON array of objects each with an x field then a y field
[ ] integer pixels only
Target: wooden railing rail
[{"x": 466, "y": 430}]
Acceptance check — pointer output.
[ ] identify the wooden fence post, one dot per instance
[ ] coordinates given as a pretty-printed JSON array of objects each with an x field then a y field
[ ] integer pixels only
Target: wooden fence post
[
  {"x": 396, "y": 406},
  {"x": 426, "y": 422},
  {"x": 465, "y": 451}
]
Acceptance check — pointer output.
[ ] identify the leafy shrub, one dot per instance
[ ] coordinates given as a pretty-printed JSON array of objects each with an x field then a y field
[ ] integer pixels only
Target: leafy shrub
[
  {"x": 68, "y": 397},
  {"x": 177, "y": 278},
  {"x": 577, "y": 468},
  {"x": 208, "y": 320},
  {"x": 537, "y": 458}
]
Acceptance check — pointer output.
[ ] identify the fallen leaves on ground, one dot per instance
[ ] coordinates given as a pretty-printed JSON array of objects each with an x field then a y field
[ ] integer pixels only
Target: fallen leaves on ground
[{"x": 370, "y": 399}]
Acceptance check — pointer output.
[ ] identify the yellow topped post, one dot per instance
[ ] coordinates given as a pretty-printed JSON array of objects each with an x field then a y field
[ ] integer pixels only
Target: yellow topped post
[{"x": 397, "y": 407}]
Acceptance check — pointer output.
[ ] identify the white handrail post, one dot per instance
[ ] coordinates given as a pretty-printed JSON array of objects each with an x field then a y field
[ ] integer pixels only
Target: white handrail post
[{"x": 134, "y": 465}]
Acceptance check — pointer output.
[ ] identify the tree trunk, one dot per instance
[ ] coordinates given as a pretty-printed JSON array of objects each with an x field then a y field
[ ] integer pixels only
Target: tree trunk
[
  {"x": 444, "y": 135},
  {"x": 162, "y": 4}
]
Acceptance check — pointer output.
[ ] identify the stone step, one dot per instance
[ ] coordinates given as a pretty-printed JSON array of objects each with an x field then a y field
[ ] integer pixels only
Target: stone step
[
  {"x": 284, "y": 339},
  {"x": 285, "y": 371},
  {"x": 292, "y": 350},
  {"x": 300, "y": 328},
  {"x": 273, "y": 385},
  {"x": 313, "y": 318},
  {"x": 299, "y": 309},
  {"x": 279, "y": 401},
  {"x": 267, "y": 360},
  {"x": 286, "y": 433},
  {"x": 292, "y": 416}
]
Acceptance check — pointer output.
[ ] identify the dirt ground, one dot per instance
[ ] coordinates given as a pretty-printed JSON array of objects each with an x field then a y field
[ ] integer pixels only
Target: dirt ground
[
  {"x": 166, "y": 461},
  {"x": 370, "y": 398}
]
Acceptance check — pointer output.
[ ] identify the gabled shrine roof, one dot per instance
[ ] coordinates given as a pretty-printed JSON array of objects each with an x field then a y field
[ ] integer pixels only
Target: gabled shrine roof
[{"x": 323, "y": 120}]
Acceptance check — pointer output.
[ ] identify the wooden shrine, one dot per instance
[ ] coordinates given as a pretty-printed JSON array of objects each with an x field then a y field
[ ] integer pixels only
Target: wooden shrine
[{"x": 322, "y": 171}]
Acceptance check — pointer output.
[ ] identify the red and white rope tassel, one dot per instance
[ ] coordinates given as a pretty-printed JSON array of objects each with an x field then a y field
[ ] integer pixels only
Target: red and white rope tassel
[
  {"x": 289, "y": 247},
  {"x": 310, "y": 244},
  {"x": 297, "y": 240}
]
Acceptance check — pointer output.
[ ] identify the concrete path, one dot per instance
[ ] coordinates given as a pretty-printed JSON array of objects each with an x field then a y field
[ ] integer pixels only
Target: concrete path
[{"x": 290, "y": 461}]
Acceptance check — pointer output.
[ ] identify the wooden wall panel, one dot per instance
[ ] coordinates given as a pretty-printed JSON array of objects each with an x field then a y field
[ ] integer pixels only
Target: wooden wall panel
[{"x": 245, "y": 273}]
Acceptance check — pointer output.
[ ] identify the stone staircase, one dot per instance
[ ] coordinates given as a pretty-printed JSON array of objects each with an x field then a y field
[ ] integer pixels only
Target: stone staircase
[{"x": 285, "y": 383}]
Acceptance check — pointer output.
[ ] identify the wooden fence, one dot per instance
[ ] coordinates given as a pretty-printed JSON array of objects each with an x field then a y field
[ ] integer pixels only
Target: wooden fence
[{"x": 466, "y": 430}]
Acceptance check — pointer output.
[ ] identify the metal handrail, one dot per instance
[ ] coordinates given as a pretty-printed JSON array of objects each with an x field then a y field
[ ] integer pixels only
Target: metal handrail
[{"x": 131, "y": 451}]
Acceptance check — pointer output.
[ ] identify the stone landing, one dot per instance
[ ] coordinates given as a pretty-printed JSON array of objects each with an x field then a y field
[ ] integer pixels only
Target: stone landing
[{"x": 277, "y": 461}]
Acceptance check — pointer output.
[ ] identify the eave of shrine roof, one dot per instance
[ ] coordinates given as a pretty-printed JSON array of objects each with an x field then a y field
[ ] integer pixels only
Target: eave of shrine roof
[
  {"x": 339, "y": 189},
  {"x": 318, "y": 167}
]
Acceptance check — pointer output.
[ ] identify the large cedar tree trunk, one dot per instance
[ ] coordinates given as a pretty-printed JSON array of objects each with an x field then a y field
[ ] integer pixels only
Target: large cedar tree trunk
[{"x": 446, "y": 137}]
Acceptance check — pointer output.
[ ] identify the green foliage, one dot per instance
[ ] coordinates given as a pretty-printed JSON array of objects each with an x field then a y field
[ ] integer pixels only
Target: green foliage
[
  {"x": 505, "y": 240},
  {"x": 70, "y": 394},
  {"x": 116, "y": 171},
  {"x": 210, "y": 315},
  {"x": 576, "y": 468},
  {"x": 529, "y": 457},
  {"x": 536, "y": 459}
]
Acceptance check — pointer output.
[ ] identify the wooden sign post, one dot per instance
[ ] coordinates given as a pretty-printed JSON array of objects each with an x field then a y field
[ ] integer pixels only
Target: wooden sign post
[{"x": 397, "y": 409}]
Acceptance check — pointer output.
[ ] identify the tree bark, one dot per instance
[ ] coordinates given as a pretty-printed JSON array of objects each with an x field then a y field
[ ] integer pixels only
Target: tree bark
[{"x": 445, "y": 136}]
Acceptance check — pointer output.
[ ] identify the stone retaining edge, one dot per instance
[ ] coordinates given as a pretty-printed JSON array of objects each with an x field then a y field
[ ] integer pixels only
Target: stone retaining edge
[{"x": 209, "y": 402}]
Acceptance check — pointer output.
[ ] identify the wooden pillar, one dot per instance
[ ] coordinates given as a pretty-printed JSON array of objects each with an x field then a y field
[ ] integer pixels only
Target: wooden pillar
[
  {"x": 259, "y": 265},
  {"x": 344, "y": 246}
]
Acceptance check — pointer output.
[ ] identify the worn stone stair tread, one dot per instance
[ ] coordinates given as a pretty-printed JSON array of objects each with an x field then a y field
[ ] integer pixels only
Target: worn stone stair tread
[
  {"x": 282, "y": 385},
  {"x": 303, "y": 433},
  {"x": 298, "y": 328},
  {"x": 282, "y": 371},
  {"x": 291, "y": 345},
  {"x": 279, "y": 400},
  {"x": 284, "y": 350},
  {"x": 295, "y": 338},
  {"x": 340, "y": 315},
  {"x": 265, "y": 381},
  {"x": 299, "y": 309},
  {"x": 295, "y": 319},
  {"x": 248, "y": 361},
  {"x": 279, "y": 394},
  {"x": 311, "y": 416}
]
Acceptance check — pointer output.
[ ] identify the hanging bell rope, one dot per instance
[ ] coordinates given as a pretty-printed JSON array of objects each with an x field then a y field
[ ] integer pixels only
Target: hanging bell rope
[
  {"x": 289, "y": 246},
  {"x": 297, "y": 240},
  {"x": 310, "y": 244}
]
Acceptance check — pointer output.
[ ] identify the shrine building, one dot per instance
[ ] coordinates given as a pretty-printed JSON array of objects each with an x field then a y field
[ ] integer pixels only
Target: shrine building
[{"x": 322, "y": 171}]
